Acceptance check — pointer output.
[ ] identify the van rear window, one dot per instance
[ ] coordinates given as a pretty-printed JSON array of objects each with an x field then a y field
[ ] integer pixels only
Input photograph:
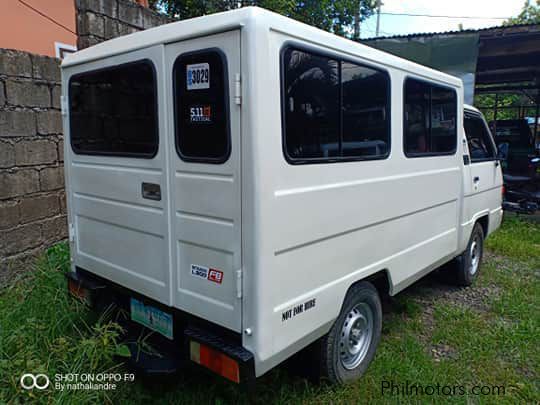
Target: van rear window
[
  {"x": 113, "y": 111},
  {"x": 201, "y": 108}
]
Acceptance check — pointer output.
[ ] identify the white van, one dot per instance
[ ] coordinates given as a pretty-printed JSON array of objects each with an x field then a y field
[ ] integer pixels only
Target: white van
[{"x": 244, "y": 185}]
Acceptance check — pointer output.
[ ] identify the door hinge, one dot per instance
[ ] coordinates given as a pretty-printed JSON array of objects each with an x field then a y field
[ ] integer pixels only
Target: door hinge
[
  {"x": 63, "y": 105},
  {"x": 71, "y": 233},
  {"x": 237, "y": 89},
  {"x": 238, "y": 283}
]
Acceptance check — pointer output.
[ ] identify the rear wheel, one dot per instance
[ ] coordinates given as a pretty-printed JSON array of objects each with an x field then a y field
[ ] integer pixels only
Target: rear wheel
[
  {"x": 467, "y": 265},
  {"x": 349, "y": 347}
]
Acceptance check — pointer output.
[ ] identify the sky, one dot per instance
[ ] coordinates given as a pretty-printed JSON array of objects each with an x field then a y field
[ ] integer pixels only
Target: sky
[{"x": 485, "y": 10}]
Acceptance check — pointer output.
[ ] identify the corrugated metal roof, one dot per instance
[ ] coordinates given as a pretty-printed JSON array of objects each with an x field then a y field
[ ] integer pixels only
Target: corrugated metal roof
[{"x": 498, "y": 30}]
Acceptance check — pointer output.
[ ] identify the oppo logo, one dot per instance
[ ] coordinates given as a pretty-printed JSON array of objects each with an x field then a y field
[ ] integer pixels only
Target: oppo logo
[{"x": 31, "y": 381}]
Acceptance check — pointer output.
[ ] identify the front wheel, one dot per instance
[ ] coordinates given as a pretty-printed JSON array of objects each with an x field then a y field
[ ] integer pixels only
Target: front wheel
[{"x": 349, "y": 347}]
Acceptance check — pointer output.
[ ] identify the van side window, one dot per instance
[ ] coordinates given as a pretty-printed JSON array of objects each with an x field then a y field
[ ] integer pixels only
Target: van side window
[
  {"x": 333, "y": 110},
  {"x": 430, "y": 119},
  {"x": 113, "y": 111},
  {"x": 366, "y": 100},
  {"x": 201, "y": 106},
  {"x": 311, "y": 105},
  {"x": 478, "y": 138}
]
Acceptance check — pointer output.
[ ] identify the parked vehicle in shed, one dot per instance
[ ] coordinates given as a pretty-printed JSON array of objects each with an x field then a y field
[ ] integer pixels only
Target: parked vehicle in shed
[
  {"x": 521, "y": 148},
  {"x": 245, "y": 185}
]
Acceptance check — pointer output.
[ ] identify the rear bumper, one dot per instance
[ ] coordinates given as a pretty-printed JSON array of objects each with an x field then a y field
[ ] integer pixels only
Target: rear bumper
[{"x": 175, "y": 353}]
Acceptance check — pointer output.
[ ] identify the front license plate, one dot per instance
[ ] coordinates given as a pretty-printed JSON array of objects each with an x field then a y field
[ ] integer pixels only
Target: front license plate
[{"x": 152, "y": 318}]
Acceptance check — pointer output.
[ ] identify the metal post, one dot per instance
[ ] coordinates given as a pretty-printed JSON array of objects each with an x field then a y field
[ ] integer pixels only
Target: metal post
[
  {"x": 536, "y": 140},
  {"x": 495, "y": 115},
  {"x": 357, "y": 14},
  {"x": 378, "y": 18}
]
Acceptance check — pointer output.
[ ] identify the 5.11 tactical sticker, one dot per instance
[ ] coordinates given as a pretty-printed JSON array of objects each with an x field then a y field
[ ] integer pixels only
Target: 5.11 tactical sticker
[
  {"x": 198, "y": 76},
  {"x": 200, "y": 113}
]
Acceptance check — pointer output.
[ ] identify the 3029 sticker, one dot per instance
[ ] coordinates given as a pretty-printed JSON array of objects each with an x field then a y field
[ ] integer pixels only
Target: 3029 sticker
[{"x": 198, "y": 76}]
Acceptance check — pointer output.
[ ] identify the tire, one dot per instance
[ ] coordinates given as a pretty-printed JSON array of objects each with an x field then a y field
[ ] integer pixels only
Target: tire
[
  {"x": 339, "y": 363},
  {"x": 467, "y": 265}
]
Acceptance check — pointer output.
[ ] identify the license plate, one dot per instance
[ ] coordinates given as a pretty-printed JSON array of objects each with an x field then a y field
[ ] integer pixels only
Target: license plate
[{"x": 152, "y": 318}]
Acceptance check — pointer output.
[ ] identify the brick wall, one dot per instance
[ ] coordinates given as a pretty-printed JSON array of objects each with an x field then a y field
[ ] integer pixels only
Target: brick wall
[
  {"x": 99, "y": 20},
  {"x": 32, "y": 200}
]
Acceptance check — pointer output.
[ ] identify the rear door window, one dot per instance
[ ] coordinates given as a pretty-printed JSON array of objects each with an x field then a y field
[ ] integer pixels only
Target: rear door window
[
  {"x": 113, "y": 111},
  {"x": 201, "y": 106}
]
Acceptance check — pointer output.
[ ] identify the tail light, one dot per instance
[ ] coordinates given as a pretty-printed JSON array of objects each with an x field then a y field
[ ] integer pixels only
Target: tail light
[
  {"x": 216, "y": 361},
  {"x": 78, "y": 291}
]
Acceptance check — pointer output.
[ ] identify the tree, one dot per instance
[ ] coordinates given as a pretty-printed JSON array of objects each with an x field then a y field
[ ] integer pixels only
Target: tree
[
  {"x": 530, "y": 14},
  {"x": 335, "y": 16},
  {"x": 508, "y": 105}
]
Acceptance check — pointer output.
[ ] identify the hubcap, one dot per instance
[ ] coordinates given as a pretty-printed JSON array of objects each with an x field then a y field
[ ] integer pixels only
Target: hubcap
[
  {"x": 356, "y": 335},
  {"x": 475, "y": 252}
]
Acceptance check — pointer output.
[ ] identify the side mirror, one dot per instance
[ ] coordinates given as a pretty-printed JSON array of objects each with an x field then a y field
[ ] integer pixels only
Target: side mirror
[{"x": 502, "y": 151}]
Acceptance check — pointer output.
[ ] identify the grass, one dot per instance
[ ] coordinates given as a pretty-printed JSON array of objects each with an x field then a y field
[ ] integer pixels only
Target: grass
[
  {"x": 517, "y": 239},
  {"x": 483, "y": 336}
]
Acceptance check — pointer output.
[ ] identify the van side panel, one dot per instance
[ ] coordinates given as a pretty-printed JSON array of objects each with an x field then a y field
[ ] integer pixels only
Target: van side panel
[{"x": 328, "y": 225}]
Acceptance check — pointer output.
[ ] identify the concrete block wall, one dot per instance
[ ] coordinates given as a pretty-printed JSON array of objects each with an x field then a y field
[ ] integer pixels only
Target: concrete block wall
[
  {"x": 99, "y": 20},
  {"x": 32, "y": 198}
]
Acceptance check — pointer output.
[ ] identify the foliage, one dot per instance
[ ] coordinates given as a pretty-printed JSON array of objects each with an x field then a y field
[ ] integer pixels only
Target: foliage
[
  {"x": 507, "y": 105},
  {"x": 336, "y": 16},
  {"x": 530, "y": 14},
  {"x": 42, "y": 330}
]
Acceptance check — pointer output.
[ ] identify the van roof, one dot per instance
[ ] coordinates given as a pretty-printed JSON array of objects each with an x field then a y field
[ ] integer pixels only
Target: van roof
[{"x": 243, "y": 18}]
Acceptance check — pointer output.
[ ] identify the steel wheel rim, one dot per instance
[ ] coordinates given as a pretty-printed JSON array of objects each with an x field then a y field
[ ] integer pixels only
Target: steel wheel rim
[
  {"x": 356, "y": 335},
  {"x": 475, "y": 252}
]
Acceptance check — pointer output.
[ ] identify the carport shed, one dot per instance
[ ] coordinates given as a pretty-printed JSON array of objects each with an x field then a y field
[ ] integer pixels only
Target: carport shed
[{"x": 493, "y": 63}]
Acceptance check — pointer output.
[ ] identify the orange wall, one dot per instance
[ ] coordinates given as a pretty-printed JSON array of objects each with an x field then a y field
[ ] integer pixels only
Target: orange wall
[{"x": 24, "y": 29}]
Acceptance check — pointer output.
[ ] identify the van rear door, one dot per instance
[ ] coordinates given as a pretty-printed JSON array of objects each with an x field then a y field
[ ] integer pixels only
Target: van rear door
[
  {"x": 116, "y": 173},
  {"x": 204, "y": 136}
]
